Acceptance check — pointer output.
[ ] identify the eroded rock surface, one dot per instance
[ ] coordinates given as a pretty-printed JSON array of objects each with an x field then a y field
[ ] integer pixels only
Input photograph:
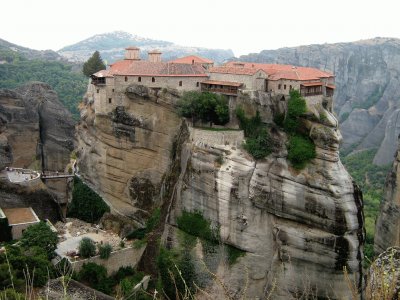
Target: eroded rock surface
[
  {"x": 32, "y": 119},
  {"x": 387, "y": 232},
  {"x": 298, "y": 228}
]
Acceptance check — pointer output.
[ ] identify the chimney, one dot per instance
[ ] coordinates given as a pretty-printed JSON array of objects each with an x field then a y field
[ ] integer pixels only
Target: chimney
[
  {"x": 132, "y": 53},
  {"x": 154, "y": 56}
]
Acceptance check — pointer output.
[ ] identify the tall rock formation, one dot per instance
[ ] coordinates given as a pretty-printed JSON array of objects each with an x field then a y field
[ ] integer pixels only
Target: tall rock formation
[
  {"x": 367, "y": 78},
  {"x": 298, "y": 229},
  {"x": 387, "y": 230},
  {"x": 31, "y": 120}
]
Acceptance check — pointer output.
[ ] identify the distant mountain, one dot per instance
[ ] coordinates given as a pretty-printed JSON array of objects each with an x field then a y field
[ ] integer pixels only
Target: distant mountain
[
  {"x": 367, "y": 98},
  {"x": 112, "y": 47},
  {"x": 9, "y": 50}
]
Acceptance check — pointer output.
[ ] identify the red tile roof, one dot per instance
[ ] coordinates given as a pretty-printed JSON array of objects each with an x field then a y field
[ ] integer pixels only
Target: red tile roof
[
  {"x": 277, "y": 71},
  {"x": 103, "y": 73},
  {"x": 233, "y": 70},
  {"x": 331, "y": 86},
  {"x": 147, "y": 68},
  {"x": 189, "y": 60},
  {"x": 226, "y": 83}
]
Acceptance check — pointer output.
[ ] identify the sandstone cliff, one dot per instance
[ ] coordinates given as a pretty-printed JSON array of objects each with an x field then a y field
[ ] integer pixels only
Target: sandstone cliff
[
  {"x": 367, "y": 80},
  {"x": 31, "y": 120},
  {"x": 387, "y": 232},
  {"x": 298, "y": 229}
]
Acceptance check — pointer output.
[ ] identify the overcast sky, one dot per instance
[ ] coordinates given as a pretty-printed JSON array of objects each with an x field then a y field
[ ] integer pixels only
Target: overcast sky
[{"x": 241, "y": 25}]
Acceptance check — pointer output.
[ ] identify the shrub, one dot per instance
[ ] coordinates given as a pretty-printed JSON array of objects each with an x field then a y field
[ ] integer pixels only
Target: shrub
[
  {"x": 96, "y": 276},
  {"x": 86, "y": 204},
  {"x": 105, "y": 251},
  {"x": 296, "y": 107},
  {"x": 195, "y": 224},
  {"x": 259, "y": 146},
  {"x": 257, "y": 138},
  {"x": 204, "y": 106},
  {"x": 87, "y": 247},
  {"x": 42, "y": 236},
  {"x": 172, "y": 268},
  {"x": 300, "y": 151}
]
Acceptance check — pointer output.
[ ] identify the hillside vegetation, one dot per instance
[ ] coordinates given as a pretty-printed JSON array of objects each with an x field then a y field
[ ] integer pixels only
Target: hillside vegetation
[
  {"x": 69, "y": 84},
  {"x": 371, "y": 180}
]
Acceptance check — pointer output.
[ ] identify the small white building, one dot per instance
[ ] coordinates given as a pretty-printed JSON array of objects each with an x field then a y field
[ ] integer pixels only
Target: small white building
[{"x": 20, "y": 219}]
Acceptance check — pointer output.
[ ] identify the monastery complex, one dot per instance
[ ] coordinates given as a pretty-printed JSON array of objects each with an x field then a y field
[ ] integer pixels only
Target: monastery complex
[{"x": 193, "y": 73}]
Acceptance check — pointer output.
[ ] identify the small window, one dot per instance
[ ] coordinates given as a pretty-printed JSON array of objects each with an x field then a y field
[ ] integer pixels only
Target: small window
[
  {"x": 290, "y": 87},
  {"x": 98, "y": 91},
  {"x": 192, "y": 61},
  {"x": 197, "y": 84},
  {"x": 153, "y": 79},
  {"x": 139, "y": 79},
  {"x": 279, "y": 86},
  {"x": 284, "y": 86},
  {"x": 113, "y": 90},
  {"x": 180, "y": 83},
  {"x": 126, "y": 78},
  {"x": 109, "y": 100}
]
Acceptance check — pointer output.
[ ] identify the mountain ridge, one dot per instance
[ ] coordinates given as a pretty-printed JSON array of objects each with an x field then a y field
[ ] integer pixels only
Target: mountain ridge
[{"x": 111, "y": 46}]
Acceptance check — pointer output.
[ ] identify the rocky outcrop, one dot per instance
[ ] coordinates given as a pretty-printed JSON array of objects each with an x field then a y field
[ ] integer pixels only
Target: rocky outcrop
[
  {"x": 125, "y": 154},
  {"x": 288, "y": 222},
  {"x": 32, "y": 120},
  {"x": 387, "y": 230},
  {"x": 367, "y": 81}
]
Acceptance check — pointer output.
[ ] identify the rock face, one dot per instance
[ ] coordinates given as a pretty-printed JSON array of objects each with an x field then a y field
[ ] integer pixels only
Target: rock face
[
  {"x": 31, "y": 120},
  {"x": 387, "y": 230},
  {"x": 367, "y": 79},
  {"x": 288, "y": 222},
  {"x": 125, "y": 154},
  {"x": 298, "y": 229}
]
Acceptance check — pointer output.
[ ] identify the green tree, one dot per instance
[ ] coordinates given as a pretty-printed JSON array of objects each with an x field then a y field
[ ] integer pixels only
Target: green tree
[
  {"x": 93, "y": 64},
  {"x": 87, "y": 247},
  {"x": 42, "y": 236},
  {"x": 86, "y": 204}
]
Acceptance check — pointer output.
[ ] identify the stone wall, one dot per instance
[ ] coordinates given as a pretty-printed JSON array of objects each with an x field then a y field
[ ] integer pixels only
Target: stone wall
[
  {"x": 125, "y": 257},
  {"x": 205, "y": 137}
]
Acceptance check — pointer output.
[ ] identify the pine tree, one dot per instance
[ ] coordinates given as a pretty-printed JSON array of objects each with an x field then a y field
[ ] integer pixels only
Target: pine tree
[{"x": 93, "y": 64}]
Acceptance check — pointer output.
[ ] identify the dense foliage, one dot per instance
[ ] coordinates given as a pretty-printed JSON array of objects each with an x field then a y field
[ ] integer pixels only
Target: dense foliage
[
  {"x": 95, "y": 276},
  {"x": 371, "y": 180},
  {"x": 300, "y": 151},
  {"x": 204, "y": 106},
  {"x": 87, "y": 247},
  {"x": 257, "y": 138},
  {"x": 195, "y": 224},
  {"x": 93, "y": 64},
  {"x": 86, "y": 204},
  {"x": 105, "y": 251},
  {"x": 301, "y": 148},
  {"x": 69, "y": 84},
  {"x": 40, "y": 235}
]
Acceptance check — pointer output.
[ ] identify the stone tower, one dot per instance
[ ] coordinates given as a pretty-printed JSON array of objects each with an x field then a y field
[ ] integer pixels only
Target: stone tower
[
  {"x": 154, "y": 56},
  {"x": 132, "y": 53}
]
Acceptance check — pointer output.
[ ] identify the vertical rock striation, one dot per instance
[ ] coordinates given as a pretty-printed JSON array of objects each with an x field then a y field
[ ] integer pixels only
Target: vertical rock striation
[{"x": 387, "y": 232}]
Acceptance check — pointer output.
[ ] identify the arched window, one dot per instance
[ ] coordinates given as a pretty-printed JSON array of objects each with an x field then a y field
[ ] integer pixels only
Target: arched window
[
  {"x": 284, "y": 86},
  {"x": 153, "y": 79},
  {"x": 109, "y": 100},
  {"x": 279, "y": 86},
  {"x": 139, "y": 79},
  {"x": 180, "y": 83},
  {"x": 197, "y": 84},
  {"x": 126, "y": 78}
]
